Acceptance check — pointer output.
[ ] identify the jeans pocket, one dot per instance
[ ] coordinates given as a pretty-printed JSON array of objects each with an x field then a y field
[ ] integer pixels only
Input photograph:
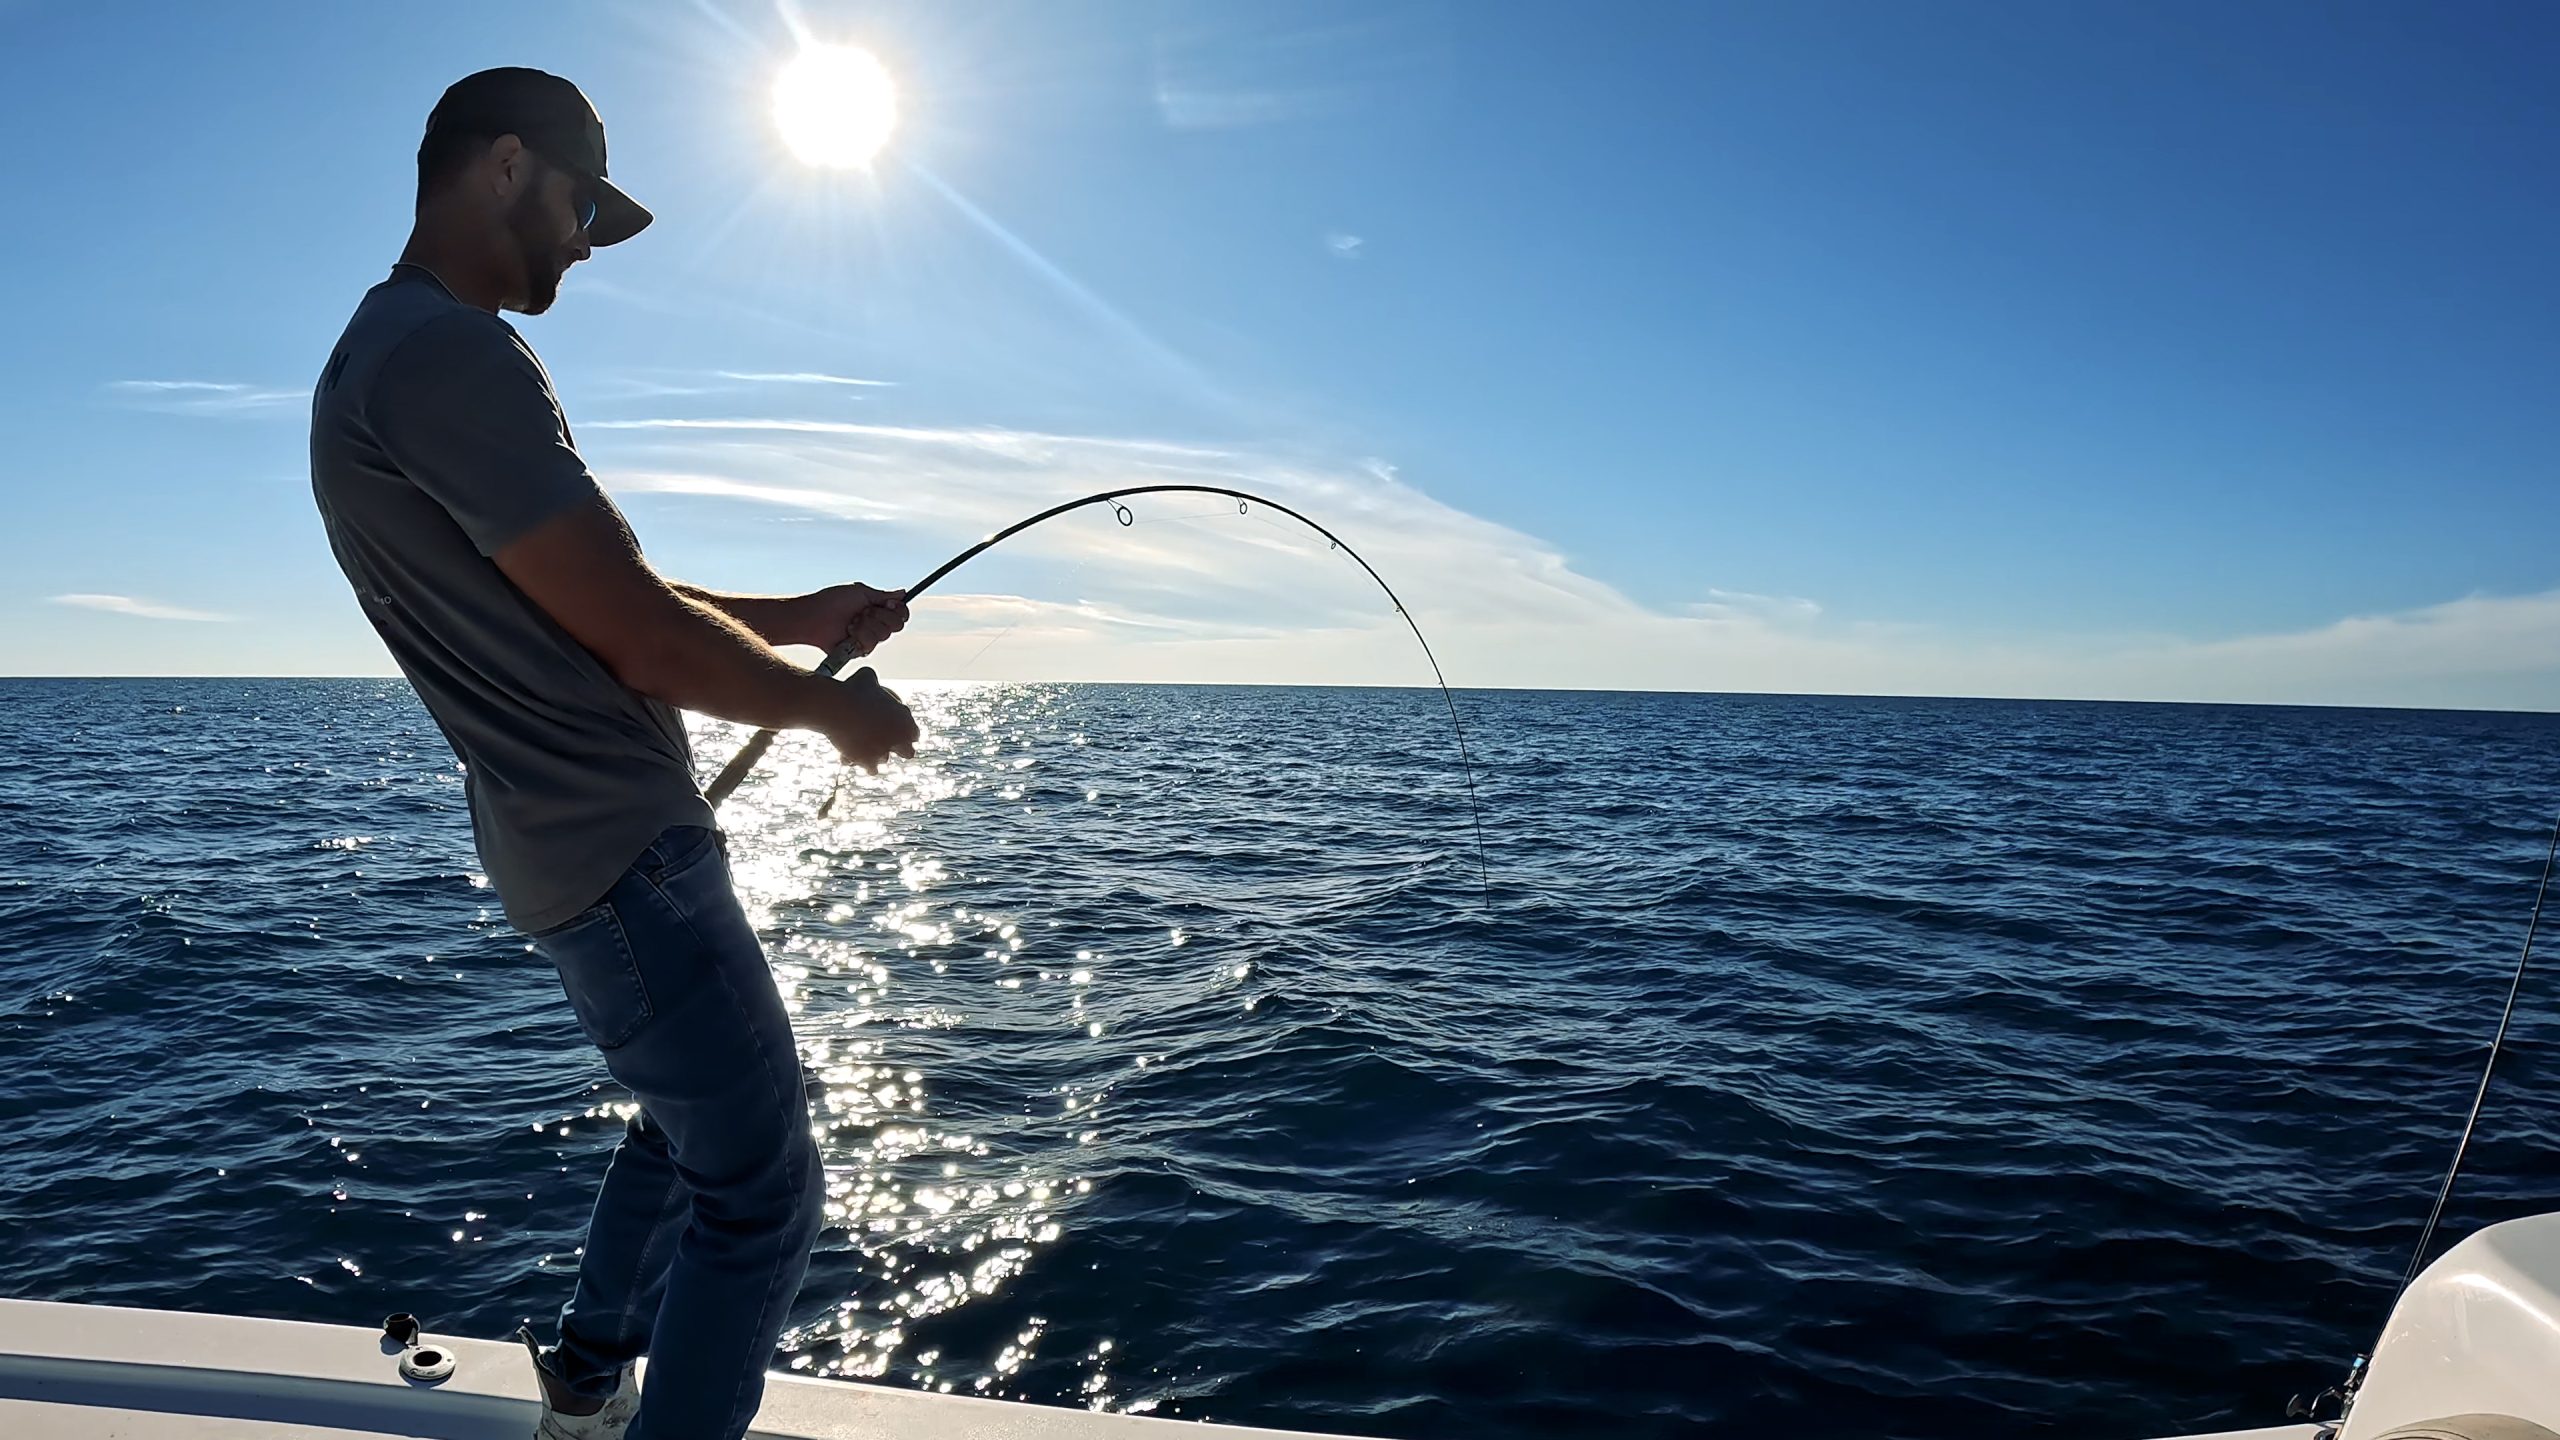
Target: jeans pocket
[
  {"x": 602, "y": 977},
  {"x": 678, "y": 850}
]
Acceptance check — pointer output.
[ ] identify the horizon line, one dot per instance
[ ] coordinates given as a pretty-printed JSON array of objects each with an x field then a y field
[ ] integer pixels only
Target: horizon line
[{"x": 2411, "y": 709}]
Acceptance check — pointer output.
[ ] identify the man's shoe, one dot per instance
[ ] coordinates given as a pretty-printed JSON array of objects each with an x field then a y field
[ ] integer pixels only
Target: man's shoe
[{"x": 567, "y": 1415}]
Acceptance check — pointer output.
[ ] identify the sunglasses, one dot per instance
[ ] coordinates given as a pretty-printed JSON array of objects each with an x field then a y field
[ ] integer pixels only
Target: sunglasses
[
  {"x": 582, "y": 195},
  {"x": 582, "y": 201}
]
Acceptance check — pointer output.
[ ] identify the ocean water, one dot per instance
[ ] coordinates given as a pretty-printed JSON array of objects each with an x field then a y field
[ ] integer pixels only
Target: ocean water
[{"x": 1925, "y": 1068}]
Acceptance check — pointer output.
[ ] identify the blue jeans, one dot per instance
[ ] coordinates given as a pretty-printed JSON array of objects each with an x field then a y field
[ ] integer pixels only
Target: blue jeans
[{"x": 702, "y": 1229}]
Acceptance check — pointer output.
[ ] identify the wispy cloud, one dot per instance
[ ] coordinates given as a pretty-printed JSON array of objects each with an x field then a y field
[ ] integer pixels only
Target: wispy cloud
[
  {"x": 1027, "y": 618},
  {"x": 1341, "y": 246},
  {"x": 1247, "y": 68},
  {"x": 646, "y": 387},
  {"x": 665, "y": 384},
  {"x": 814, "y": 499},
  {"x": 797, "y": 377},
  {"x": 1192, "y": 107},
  {"x": 1734, "y": 604},
  {"x": 202, "y": 397},
  {"x": 995, "y": 440},
  {"x": 132, "y": 605},
  {"x": 1194, "y": 590}
]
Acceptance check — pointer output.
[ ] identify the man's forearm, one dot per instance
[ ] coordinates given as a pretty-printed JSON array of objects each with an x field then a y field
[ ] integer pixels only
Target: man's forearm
[
  {"x": 707, "y": 660},
  {"x": 774, "y": 619}
]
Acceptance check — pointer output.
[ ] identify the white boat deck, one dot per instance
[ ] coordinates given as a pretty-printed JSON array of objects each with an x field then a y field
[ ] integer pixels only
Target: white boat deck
[
  {"x": 96, "y": 1372},
  {"x": 89, "y": 1372},
  {"x": 92, "y": 1372}
]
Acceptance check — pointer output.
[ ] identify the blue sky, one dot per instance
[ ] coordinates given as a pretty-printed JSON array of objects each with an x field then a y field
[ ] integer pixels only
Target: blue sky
[{"x": 2173, "y": 351}]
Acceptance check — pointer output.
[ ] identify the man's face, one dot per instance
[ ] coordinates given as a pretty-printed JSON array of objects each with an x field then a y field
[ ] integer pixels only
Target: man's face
[{"x": 543, "y": 221}]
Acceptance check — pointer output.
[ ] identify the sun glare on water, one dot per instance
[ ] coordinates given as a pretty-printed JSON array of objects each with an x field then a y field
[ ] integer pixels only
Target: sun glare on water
[{"x": 835, "y": 106}]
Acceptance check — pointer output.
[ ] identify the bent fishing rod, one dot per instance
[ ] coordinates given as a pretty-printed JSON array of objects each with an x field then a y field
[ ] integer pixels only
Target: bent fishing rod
[{"x": 737, "y": 770}]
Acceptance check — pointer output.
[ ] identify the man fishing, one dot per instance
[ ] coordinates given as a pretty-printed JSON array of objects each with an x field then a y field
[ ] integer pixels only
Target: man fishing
[{"x": 555, "y": 660}]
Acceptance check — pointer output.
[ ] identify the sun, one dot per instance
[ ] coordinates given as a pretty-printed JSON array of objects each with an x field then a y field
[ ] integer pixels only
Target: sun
[{"x": 835, "y": 106}]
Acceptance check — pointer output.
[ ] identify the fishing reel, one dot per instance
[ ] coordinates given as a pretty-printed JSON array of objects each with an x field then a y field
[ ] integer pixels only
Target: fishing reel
[{"x": 2343, "y": 1394}]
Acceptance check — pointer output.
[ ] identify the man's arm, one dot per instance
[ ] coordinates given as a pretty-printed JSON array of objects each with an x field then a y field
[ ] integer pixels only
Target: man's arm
[
  {"x": 466, "y": 412},
  {"x": 823, "y": 618},
  {"x": 584, "y": 569},
  {"x": 774, "y": 619}
]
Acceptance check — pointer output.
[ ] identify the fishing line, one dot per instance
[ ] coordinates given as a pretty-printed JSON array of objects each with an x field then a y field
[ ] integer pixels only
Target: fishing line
[
  {"x": 2343, "y": 1394},
  {"x": 1015, "y": 624},
  {"x": 738, "y": 768},
  {"x": 835, "y": 791},
  {"x": 2418, "y": 1260}
]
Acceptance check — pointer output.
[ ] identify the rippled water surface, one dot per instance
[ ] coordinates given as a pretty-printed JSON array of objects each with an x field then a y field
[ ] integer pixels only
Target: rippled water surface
[{"x": 1927, "y": 1068}]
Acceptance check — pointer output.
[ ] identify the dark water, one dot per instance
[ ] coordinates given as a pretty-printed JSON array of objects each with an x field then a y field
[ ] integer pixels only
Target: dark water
[{"x": 1925, "y": 1068}]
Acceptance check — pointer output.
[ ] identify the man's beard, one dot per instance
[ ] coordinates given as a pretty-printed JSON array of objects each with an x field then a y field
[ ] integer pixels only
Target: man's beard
[{"x": 543, "y": 262}]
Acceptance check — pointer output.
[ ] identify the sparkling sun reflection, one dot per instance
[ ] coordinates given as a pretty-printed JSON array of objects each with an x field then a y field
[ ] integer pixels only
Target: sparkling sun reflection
[{"x": 937, "y": 1205}]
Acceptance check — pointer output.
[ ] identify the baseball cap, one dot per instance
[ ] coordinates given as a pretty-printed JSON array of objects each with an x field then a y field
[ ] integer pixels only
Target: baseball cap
[{"x": 554, "y": 120}]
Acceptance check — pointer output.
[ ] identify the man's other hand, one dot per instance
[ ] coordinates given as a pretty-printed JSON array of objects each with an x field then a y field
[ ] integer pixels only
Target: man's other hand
[
  {"x": 855, "y": 613},
  {"x": 872, "y": 725}
]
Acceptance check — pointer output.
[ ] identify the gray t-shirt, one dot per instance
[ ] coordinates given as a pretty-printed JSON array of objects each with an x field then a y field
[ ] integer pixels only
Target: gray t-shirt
[{"x": 435, "y": 441}]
